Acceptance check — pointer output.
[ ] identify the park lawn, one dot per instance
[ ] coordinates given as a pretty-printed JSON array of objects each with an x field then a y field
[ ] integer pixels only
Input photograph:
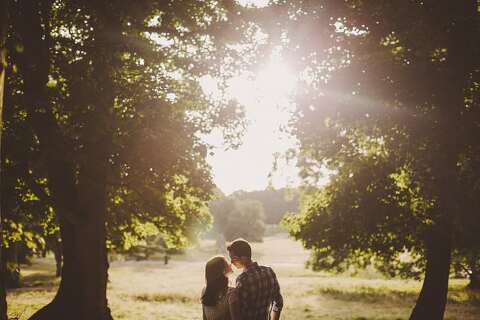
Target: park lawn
[{"x": 151, "y": 290}]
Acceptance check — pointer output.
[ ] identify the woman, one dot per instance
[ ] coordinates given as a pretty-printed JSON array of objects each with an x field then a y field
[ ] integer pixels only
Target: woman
[{"x": 218, "y": 301}]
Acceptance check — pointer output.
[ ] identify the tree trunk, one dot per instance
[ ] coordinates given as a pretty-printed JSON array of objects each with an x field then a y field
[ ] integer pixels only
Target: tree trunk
[
  {"x": 57, "y": 253},
  {"x": 3, "y": 63},
  {"x": 3, "y": 299},
  {"x": 474, "y": 283},
  {"x": 79, "y": 200},
  {"x": 82, "y": 291},
  {"x": 11, "y": 276},
  {"x": 433, "y": 296},
  {"x": 432, "y": 300},
  {"x": 453, "y": 138}
]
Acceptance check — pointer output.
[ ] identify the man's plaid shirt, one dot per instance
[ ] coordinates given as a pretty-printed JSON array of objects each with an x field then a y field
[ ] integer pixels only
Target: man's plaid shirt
[{"x": 257, "y": 290}]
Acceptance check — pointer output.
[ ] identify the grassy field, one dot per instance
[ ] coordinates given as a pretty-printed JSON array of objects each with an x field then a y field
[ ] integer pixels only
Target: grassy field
[{"x": 151, "y": 290}]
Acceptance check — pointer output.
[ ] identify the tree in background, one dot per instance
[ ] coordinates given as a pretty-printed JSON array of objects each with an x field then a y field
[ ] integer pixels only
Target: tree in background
[
  {"x": 466, "y": 254},
  {"x": 276, "y": 202},
  {"x": 149, "y": 247},
  {"x": 29, "y": 219},
  {"x": 392, "y": 111},
  {"x": 235, "y": 218},
  {"x": 466, "y": 262}
]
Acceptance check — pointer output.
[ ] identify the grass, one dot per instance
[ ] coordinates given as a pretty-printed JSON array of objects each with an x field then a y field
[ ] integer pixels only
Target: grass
[
  {"x": 151, "y": 290},
  {"x": 166, "y": 298}
]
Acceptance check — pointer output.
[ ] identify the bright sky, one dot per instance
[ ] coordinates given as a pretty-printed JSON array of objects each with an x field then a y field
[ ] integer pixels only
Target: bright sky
[
  {"x": 266, "y": 102},
  {"x": 256, "y": 3}
]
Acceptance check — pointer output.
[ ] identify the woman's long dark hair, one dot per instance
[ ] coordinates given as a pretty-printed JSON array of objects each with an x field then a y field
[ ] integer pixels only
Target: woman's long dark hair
[{"x": 217, "y": 282}]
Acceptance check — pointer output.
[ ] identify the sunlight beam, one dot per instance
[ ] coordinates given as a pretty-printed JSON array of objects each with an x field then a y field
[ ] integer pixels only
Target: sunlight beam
[{"x": 266, "y": 97}]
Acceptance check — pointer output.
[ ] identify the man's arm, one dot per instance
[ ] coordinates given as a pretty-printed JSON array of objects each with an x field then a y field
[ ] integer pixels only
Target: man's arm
[
  {"x": 277, "y": 299},
  {"x": 234, "y": 305},
  {"x": 275, "y": 315},
  {"x": 204, "y": 317}
]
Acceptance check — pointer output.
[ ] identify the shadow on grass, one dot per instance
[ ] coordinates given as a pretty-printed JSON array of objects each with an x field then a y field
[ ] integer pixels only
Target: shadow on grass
[
  {"x": 40, "y": 279},
  {"x": 365, "y": 294},
  {"x": 368, "y": 294}
]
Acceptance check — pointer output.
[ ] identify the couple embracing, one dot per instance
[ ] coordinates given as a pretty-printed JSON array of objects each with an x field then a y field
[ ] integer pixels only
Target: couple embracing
[{"x": 256, "y": 295}]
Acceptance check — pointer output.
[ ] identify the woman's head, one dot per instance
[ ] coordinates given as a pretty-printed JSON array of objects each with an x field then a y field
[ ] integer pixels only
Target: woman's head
[{"x": 216, "y": 272}]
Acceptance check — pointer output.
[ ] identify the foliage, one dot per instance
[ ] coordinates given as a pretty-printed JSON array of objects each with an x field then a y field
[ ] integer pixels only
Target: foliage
[
  {"x": 380, "y": 105},
  {"x": 110, "y": 95},
  {"x": 237, "y": 218},
  {"x": 158, "y": 173},
  {"x": 372, "y": 109},
  {"x": 359, "y": 219},
  {"x": 157, "y": 169},
  {"x": 275, "y": 202}
]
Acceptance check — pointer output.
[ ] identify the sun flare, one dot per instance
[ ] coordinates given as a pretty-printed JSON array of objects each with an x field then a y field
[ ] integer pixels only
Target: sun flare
[
  {"x": 266, "y": 97},
  {"x": 270, "y": 88},
  {"x": 276, "y": 81}
]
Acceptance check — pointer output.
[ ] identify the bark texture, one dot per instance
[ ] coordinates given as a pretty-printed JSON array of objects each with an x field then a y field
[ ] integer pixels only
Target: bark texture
[
  {"x": 433, "y": 296},
  {"x": 454, "y": 134},
  {"x": 3, "y": 64}
]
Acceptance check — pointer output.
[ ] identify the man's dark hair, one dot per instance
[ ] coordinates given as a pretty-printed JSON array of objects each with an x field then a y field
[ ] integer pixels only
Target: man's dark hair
[{"x": 240, "y": 248}]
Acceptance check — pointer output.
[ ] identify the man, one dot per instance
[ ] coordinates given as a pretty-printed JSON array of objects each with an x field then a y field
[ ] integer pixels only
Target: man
[{"x": 257, "y": 288}]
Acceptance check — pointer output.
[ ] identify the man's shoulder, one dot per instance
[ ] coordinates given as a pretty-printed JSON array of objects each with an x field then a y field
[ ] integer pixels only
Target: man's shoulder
[
  {"x": 255, "y": 272},
  {"x": 266, "y": 269},
  {"x": 241, "y": 276},
  {"x": 263, "y": 267}
]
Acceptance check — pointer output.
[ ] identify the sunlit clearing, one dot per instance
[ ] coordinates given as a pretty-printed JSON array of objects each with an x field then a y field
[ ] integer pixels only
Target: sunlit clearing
[{"x": 266, "y": 97}]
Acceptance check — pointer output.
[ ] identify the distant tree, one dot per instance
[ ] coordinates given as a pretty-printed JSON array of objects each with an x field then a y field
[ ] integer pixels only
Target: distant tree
[
  {"x": 236, "y": 218},
  {"x": 28, "y": 216},
  {"x": 220, "y": 209},
  {"x": 466, "y": 262},
  {"x": 466, "y": 253},
  {"x": 276, "y": 202},
  {"x": 246, "y": 221},
  {"x": 150, "y": 246}
]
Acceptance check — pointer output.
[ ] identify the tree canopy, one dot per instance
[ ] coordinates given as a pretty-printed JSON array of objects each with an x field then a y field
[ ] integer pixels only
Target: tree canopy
[
  {"x": 389, "y": 104},
  {"x": 103, "y": 129}
]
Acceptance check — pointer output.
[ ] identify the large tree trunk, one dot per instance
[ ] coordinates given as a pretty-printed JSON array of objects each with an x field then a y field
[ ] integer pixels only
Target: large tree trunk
[
  {"x": 79, "y": 200},
  {"x": 453, "y": 137},
  {"x": 432, "y": 300},
  {"x": 433, "y": 296},
  {"x": 3, "y": 64},
  {"x": 82, "y": 291}
]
